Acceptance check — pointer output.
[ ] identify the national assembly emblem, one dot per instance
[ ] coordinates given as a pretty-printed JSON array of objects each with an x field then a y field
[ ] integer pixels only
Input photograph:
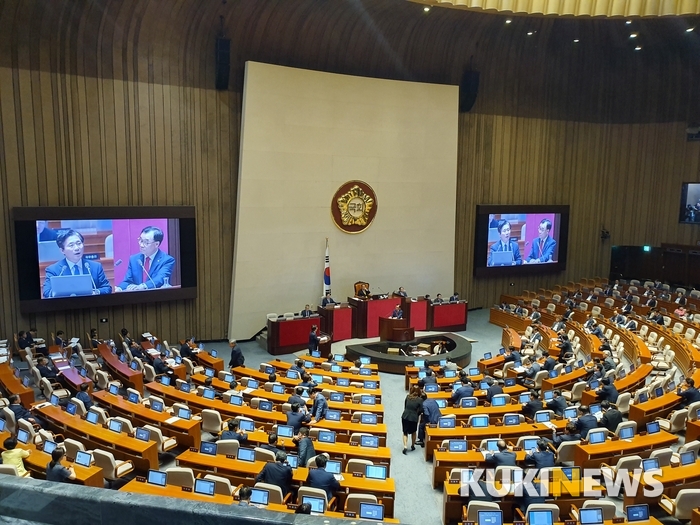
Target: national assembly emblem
[{"x": 354, "y": 206}]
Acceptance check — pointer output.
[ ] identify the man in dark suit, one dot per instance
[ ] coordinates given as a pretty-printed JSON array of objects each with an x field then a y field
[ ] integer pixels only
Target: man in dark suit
[
  {"x": 237, "y": 357},
  {"x": 59, "y": 341},
  {"x": 566, "y": 351},
  {"x": 560, "y": 324},
  {"x": 151, "y": 267},
  {"x": 549, "y": 362},
  {"x": 690, "y": 394},
  {"x": 535, "y": 316},
  {"x": 401, "y": 292},
  {"x": 278, "y": 473},
  {"x": 532, "y": 406},
  {"x": 271, "y": 444},
  {"x": 466, "y": 390},
  {"x": 611, "y": 416},
  {"x": 20, "y": 412},
  {"x": 319, "y": 478},
  {"x": 543, "y": 457},
  {"x": 533, "y": 368},
  {"x": 569, "y": 312},
  {"x": 454, "y": 298},
  {"x": 557, "y": 403},
  {"x": 630, "y": 325},
  {"x": 438, "y": 299},
  {"x": 296, "y": 398},
  {"x": 571, "y": 433},
  {"x": 505, "y": 244},
  {"x": 313, "y": 339},
  {"x": 185, "y": 349},
  {"x": 543, "y": 246},
  {"x": 431, "y": 414},
  {"x": 493, "y": 389},
  {"x": 512, "y": 355},
  {"x": 503, "y": 457},
  {"x": 50, "y": 372},
  {"x": 617, "y": 317},
  {"x": 607, "y": 391},
  {"x": 627, "y": 309},
  {"x": 43, "y": 233},
  {"x": 320, "y": 406},
  {"x": 680, "y": 299},
  {"x": 598, "y": 372},
  {"x": 233, "y": 433},
  {"x": 585, "y": 421},
  {"x": 327, "y": 300},
  {"x": 306, "y": 312},
  {"x": 72, "y": 247},
  {"x": 160, "y": 366},
  {"x": 651, "y": 303},
  {"x": 429, "y": 377},
  {"x": 296, "y": 418},
  {"x": 364, "y": 292},
  {"x": 397, "y": 313}
]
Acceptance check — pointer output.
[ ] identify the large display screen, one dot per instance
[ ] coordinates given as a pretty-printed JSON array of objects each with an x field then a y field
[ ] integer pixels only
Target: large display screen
[
  {"x": 690, "y": 203},
  {"x": 520, "y": 238},
  {"x": 74, "y": 256}
]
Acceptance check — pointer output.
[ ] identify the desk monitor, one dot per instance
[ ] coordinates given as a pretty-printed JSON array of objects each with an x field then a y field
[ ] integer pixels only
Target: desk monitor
[
  {"x": 375, "y": 472},
  {"x": 293, "y": 460},
  {"x": 92, "y": 417},
  {"x": 530, "y": 443},
  {"x": 269, "y": 370},
  {"x": 143, "y": 434},
  {"x": 688, "y": 457},
  {"x": 338, "y": 357},
  {"x": 468, "y": 402},
  {"x": 568, "y": 369},
  {"x": 622, "y": 374},
  {"x": 365, "y": 371},
  {"x": 432, "y": 388},
  {"x": 336, "y": 368},
  {"x": 671, "y": 386},
  {"x": 457, "y": 445},
  {"x": 134, "y": 365},
  {"x": 595, "y": 408},
  {"x": 178, "y": 360},
  {"x": 156, "y": 477},
  {"x": 492, "y": 445},
  {"x": 22, "y": 436},
  {"x": 209, "y": 372},
  {"x": 184, "y": 387},
  {"x": 658, "y": 391},
  {"x": 490, "y": 517},
  {"x": 443, "y": 362},
  {"x": 204, "y": 486},
  {"x": 596, "y": 437},
  {"x": 365, "y": 360},
  {"x": 626, "y": 433},
  {"x": 466, "y": 475},
  {"x": 553, "y": 374},
  {"x": 509, "y": 381},
  {"x": 653, "y": 427},
  {"x": 540, "y": 517},
  {"x": 450, "y": 374},
  {"x": 502, "y": 351},
  {"x": 209, "y": 393},
  {"x": 371, "y": 385},
  {"x": 308, "y": 364},
  {"x": 317, "y": 504},
  {"x": 208, "y": 448},
  {"x": 368, "y": 419},
  {"x": 49, "y": 446},
  {"x": 246, "y": 425},
  {"x": 326, "y": 436},
  {"x": 650, "y": 464},
  {"x": 442, "y": 403},
  {"x": 54, "y": 400},
  {"x": 455, "y": 386},
  {"x": 591, "y": 516},
  {"x": 246, "y": 454},
  {"x": 2, "y": 425},
  {"x": 572, "y": 473},
  {"x": 122, "y": 358},
  {"x": 338, "y": 397},
  {"x": 524, "y": 398},
  {"x": 84, "y": 459},
  {"x": 637, "y": 513},
  {"x": 571, "y": 413},
  {"x": 479, "y": 421},
  {"x": 580, "y": 363},
  {"x": 343, "y": 381},
  {"x": 236, "y": 400},
  {"x": 369, "y": 441},
  {"x": 260, "y": 496},
  {"x": 632, "y": 368},
  {"x": 265, "y": 406},
  {"x": 594, "y": 384},
  {"x": 333, "y": 415},
  {"x": 419, "y": 363},
  {"x": 511, "y": 420},
  {"x": 483, "y": 385},
  {"x": 371, "y": 511},
  {"x": 252, "y": 383},
  {"x": 292, "y": 374},
  {"x": 165, "y": 380},
  {"x": 133, "y": 397},
  {"x": 316, "y": 353},
  {"x": 446, "y": 422},
  {"x": 498, "y": 401},
  {"x": 285, "y": 431},
  {"x": 422, "y": 374},
  {"x": 473, "y": 371},
  {"x": 115, "y": 426},
  {"x": 184, "y": 413},
  {"x": 367, "y": 400},
  {"x": 71, "y": 408},
  {"x": 83, "y": 373},
  {"x": 541, "y": 417},
  {"x": 27, "y": 379},
  {"x": 643, "y": 397},
  {"x": 333, "y": 466},
  {"x": 487, "y": 356}
]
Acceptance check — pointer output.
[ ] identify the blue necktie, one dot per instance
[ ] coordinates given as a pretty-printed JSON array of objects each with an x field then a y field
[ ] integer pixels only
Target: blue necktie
[{"x": 76, "y": 270}]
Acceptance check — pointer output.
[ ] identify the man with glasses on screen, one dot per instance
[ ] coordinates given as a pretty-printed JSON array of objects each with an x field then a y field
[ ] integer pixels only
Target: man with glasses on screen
[
  {"x": 504, "y": 244},
  {"x": 543, "y": 246},
  {"x": 151, "y": 267},
  {"x": 72, "y": 245}
]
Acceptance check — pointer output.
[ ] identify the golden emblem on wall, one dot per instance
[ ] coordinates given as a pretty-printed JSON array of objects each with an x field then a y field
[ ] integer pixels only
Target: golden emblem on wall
[{"x": 354, "y": 206}]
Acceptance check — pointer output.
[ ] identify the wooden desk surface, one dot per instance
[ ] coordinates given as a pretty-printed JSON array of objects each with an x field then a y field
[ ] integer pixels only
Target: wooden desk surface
[
  {"x": 120, "y": 370},
  {"x": 673, "y": 480},
  {"x": 513, "y": 391},
  {"x": 173, "y": 491},
  {"x": 319, "y": 360},
  {"x": 611, "y": 451},
  {"x": 642, "y": 413},
  {"x": 13, "y": 385},
  {"x": 443, "y": 462},
  {"x": 144, "y": 454},
  {"x": 630, "y": 382},
  {"x": 188, "y": 433},
  {"x": 204, "y": 358}
]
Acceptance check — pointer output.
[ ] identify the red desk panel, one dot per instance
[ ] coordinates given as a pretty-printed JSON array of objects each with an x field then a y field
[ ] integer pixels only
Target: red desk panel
[
  {"x": 377, "y": 308},
  {"x": 337, "y": 321},
  {"x": 452, "y": 316},
  {"x": 417, "y": 313},
  {"x": 284, "y": 337}
]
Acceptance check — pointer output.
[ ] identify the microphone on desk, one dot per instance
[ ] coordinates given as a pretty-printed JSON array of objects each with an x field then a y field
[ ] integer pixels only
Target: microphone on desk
[
  {"x": 147, "y": 274},
  {"x": 118, "y": 263},
  {"x": 87, "y": 267},
  {"x": 383, "y": 292},
  {"x": 402, "y": 351}
]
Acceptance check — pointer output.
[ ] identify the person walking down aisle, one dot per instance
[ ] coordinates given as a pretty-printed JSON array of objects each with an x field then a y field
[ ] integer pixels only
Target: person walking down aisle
[{"x": 413, "y": 407}]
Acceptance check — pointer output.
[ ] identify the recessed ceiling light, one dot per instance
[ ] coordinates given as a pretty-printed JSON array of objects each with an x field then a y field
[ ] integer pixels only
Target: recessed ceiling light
[
  {"x": 426, "y": 8},
  {"x": 576, "y": 40},
  {"x": 638, "y": 48},
  {"x": 529, "y": 33},
  {"x": 633, "y": 35},
  {"x": 689, "y": 30},
  {"x": 628, "y": 22},
  {"x": 508, "y": 21}
]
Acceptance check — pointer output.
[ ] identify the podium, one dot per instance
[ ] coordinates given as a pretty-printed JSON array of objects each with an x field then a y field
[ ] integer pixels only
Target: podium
[
  {"x": 367, "y": 313},
  {"x": 395, "y": 330},
  {"x": 336, "y": 321}
]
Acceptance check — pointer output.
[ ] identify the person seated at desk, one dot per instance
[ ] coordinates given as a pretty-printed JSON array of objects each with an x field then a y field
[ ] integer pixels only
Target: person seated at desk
[
  {"x": 560, "y": 324},
  {"x": 430, "y": 415},
  {"x": 24, "y": 342},
  {"x": 557, "y": 404},
  {"x": 656, "y": 317},
  {"x": 630, "y": 325},
  {"x": 298, "y": 367},
  {"x": 571, "y": 310},
  {"x": 319, "y": 407},
  {"x": 571, "y": 433},
  {"x": 451, "y": 365},
  {"x": 327, "y": 300},
  {"x": 617, "y": 318},
  {"x": 608, "y": 361},
  {"x": 272, "y": 444},
  {"x": 429, "y": 378},
  {"x": 186, "y": 349},
  {"x": 680, "y": 299},
  {"x": 84, "y": 396},
  {"x": 651, "y": 303},
  {"x": 597, "y": 372},
  {"x": 137, "y": 351},
  {"x": 57, "y": 472},
  {"x": 319, "y": 478},
  {"x": 531, "y": 370},
  {"x": 519, "y": 310},
  {"x": 512, "y": 355},
  {"x": 466, "y": 390},
  {"x": 59, "y": 341},
  {"x": 126, "y": 336},
  {"x": 607, "y": 391},
  {"x": 209, "y": 384},
  {"x": 689, "y": 394},
  {"x": 612, "y": 417},
  {"x": 438, "y": 299},
  {"x": 401, "y": 292},
  {"x": 566, "y": 351},
  {"x": 542, "y": 457},
  {"x": 440, "y": 348},
  {"x": 307, "y": 382},
  {"x": 244, "y": 495},
  {"x": 494, "y": 388},
  {"x": 277, "y": 473},
  {"x": 504, "y": 244},
  {"x": 680, "y": 312},
  {"x": 397, "y": 313},
  {"x": 549, "y": 361},
  {"x": 94, "y": 340},
  {"x": 364, "y": 292},
  {"x": 296, "y": 418},
  {"x": 503, "y": 457},
  {"x": 306, "y": 312},
  {"x": 14, "y": 456},
  {"x": 586, "y": 421},
  {"x": 305, "y": 446},
  {"x": 22, "y": 413},
  {"x": 296, "y": 398},
  {"x": 627, "y": 309},
  {"x": 159, "y": 365},
  {"x": 535, "y": 316},
  {"x": 233, "y": 433},
  {"x": 50, "y": 372},
  {"x": 237, "y": 357},
  {"x": 598, "y": 331},
  {"x": 532, "y": 406},
  {"x": 314, "y": 340}
]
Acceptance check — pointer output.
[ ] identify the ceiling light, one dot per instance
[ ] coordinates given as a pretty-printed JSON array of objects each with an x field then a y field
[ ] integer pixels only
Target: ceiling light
[
  {"x": 634, "y": 35},
  {"x": 426, "y": 9},
  {"x": 508, "y": 20},
  {"x": 576, "y": 40},
  {"x": 638, "y": 48},
  {"x": 529, "y": 33},
  {"x": 628, "y": 22},
  {"x": 689, "y": 30}
]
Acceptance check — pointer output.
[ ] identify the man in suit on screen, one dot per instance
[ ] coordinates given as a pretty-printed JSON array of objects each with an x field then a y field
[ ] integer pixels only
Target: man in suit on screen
[
  {"x": 151, "y": 267},
  {"x": 505, "y": 244},
  {"x": 543, "y": 246},
  {"x": 72, "y": 245}
]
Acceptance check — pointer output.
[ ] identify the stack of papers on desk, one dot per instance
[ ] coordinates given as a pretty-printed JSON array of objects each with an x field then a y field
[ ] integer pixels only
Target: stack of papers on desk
[
  {"x": 146, "y": 335},
  {"x": 172, "y": 420},
  {"x": 520, "y": 369},
  {"x": 549, "y": 424},
  {"x": 248, "y": 390}
]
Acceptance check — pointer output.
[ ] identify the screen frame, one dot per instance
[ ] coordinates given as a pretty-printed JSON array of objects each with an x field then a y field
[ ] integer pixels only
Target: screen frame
[
  {"x": 27, "y": 257},
  {"x": 481, "y": 239}
]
